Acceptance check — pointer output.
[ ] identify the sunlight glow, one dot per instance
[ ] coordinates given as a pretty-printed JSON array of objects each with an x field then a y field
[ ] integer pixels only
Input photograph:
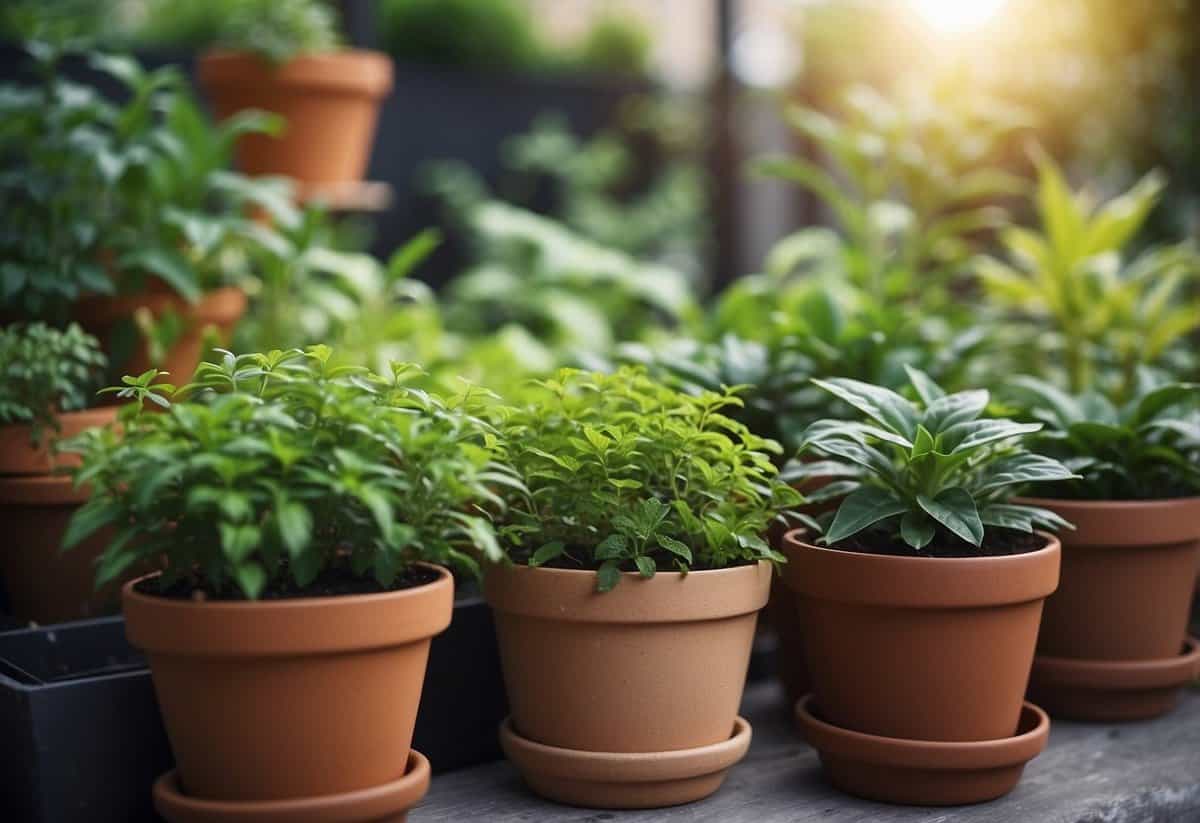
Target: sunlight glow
[{"x": 956, "y": 16}]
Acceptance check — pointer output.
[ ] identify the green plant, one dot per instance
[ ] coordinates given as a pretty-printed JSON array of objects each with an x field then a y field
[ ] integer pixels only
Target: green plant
[
  {"x": 483, "y": 34},
  {"x": 279, "y": 30},
  {"x": 929, "y": 478},
  {"x": 99, "y": 197},
  {"x": 280, "y": 471},
  {"x": 44, "y": 371},
  {"x": 614, "y": 43},
  {"x": 1145, "y": 449},
  {"x": 1106, "y": 316},
  {"x": 622, "y": 472}
]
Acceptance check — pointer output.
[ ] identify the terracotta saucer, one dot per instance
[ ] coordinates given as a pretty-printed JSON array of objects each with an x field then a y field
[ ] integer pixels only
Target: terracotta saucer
[
  {"x": 615, "y": 780},
  {"x": 923, "y": 772},
  {"x": 390, "y": 802},
  {"x": 1113, "y": 690}
]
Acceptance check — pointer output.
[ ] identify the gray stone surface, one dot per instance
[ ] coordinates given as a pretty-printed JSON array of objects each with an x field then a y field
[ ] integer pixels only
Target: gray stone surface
[{"x": 1131, "y": 773}]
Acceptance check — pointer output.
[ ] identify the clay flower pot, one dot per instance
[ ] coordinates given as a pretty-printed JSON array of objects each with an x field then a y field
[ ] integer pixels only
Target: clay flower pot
[
  {"x": 917, "y": 650},
  {"x": 45, "y": 584},
  {"x": 218, "y": 310},
  {"x": 330, "y": 103},
  {"x": 629, "y": 698},
  {"x": 18, "y": 455},
  {"x": 1113, "y": 644},
  {"x": 274, "y": 708}
]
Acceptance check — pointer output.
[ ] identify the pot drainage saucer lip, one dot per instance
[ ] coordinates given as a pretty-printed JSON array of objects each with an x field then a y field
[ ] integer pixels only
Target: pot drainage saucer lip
[
  {"x": 924, "y": 772},
  {"x": 387, "y": 801},
  {"x": 618, "y": 780},
  {"x": 1113, "y": 690}
]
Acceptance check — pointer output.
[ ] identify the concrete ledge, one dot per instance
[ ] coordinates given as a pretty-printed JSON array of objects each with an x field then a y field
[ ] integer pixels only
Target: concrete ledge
[{"x": 1131, "y": 773}]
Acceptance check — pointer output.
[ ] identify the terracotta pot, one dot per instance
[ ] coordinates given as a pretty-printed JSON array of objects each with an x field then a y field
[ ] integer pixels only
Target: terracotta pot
[
  {"x": 44, "y": 584},
  {"x": 267, "y": 703},
  {"x": 921, "y": 772},
  {"x": 218, "y": 310},
  {"x": 330, "y": 102},
  {"x": 920, "y": 648},
  {"x": 18, "y": 455},
  {"x": 1128, "y": 574},
  {"x": 572, "y": 657}
]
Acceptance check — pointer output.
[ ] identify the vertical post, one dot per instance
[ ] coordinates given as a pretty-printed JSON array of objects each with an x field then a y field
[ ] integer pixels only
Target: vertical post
[{"x": 724, "y": 151}]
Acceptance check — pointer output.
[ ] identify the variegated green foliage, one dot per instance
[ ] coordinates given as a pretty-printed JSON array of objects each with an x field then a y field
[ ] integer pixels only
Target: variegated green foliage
[
  {"x": 272, "y": 468},
  {"x": 627, "y": 474},
  {"x": 1147, "y": 448},
  {"x": 933, "y": 473},
  {"x": 1103, "y": 313}
]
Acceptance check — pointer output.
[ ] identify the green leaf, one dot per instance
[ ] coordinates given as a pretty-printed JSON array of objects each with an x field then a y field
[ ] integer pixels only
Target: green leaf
[
  {"x": 251, "y": 579},
  {"x": 167, "y": 264},
  {"x": 927, "y": 389},
  {"x": 611, "y": 547},
  {"x": 89, "y": 519},
  {"x": 295, "y": 526},
  {"x": 675, "y": 547},
  {"x": 916, "y": 529},
  {"x": 965, "y": 437},
  {"x": 882, "y": 405},
  {"x": 954, "y": 409},
  {"x": 608, "y": 575},
  {"x": 1020, "y": 468},
  {"x": 238, "y": 541},
  {"x": 547, "y": 552},
  {"x": 955, "y": 509},
  {"x": 646, "y": 565},
  {"x": 861, "y": 509}
]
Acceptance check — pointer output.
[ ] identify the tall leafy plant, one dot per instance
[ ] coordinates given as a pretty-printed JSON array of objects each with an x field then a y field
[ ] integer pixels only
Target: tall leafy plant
[
  {"x": 1106, "y": 312},
  {"x": 279, "y": 472},
  {"x": 623, "y": 473},
  {"x": 932, "y": 477}
]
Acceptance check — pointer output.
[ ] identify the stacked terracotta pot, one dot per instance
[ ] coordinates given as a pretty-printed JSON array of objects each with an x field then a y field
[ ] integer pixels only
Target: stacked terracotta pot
[{"x": 45, "y": 585}]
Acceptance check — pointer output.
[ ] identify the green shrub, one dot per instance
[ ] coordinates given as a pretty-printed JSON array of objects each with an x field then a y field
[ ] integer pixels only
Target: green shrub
[
  {"x": 280, "y": 468},
  {"x": 482, "y": 34},
  {"x": 44, "y": 371},
  {"x": 623, "y": 473}
]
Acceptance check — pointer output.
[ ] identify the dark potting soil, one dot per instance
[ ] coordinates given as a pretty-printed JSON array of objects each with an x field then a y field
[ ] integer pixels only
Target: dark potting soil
[
  {"x": 664, "y": 564},
  {"x": 333, "y": 582},
  {"x": 996, "y": 543}
]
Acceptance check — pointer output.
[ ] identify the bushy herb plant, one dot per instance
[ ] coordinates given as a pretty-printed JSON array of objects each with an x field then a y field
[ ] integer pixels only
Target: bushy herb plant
[
  {"x": 101, "y": 197},
  {"x": 1147, "y": 448},
  {"x": 623, "y": 473},
  {"x": 273, "y": 471},
  {"x": 44, "y": 371},
  {"x": 932, "y": 477},
  {"x": 279, "y": 30}
]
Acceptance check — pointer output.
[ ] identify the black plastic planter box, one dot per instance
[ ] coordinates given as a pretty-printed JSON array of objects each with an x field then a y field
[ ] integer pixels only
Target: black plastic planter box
[
  {"x": 463, "y": 699},
  {"x": 80, "y": 734}
]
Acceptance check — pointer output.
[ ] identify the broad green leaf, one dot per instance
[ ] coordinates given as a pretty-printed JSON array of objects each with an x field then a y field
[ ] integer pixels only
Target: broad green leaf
[
  {"x": 675, "y": 547},
  {"x": 953, "y": 409},
  {"x": 964, "y": 437},
  {"x": 251, "y": 579},
  {"x": 611, "y": 547},
  {"x": 608, "y": 575},
  {"x": 955, "y": 509},
  {"x": 646, "y": 566},
  {"x": 1020, "y": 468},
  {"x": 927, "y": 389},
  {"x": 547, "y": 552},
  {"x": 882, "y": 405},
  {"x": 88, "y": 519},
  {"x": 295, "y": 526},
  {"x": 916, "y": 529},
  {"x": 861, "y": 509}
]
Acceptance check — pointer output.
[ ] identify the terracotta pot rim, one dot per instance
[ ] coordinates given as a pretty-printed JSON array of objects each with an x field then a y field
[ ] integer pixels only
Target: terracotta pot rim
[
  {"x": 365, "y": 72},
  {"x": 41, "y": 490},
  {"x": 1126, "y": 523},
  {"x": 18, "y": 455},
  {"x": 374, "y": 803},
  {"x": 221, "y": 306},
  {"x": 1033, "y": 730},
  {"x": 570, "y": 595},
  {"x": 1104, "y": 505},
  {"x": 921, "y": 582},
  {"x": 625, "y": 767},
  {"x": 335, "y": 624},
  {"x": 1119, "y": 675}
]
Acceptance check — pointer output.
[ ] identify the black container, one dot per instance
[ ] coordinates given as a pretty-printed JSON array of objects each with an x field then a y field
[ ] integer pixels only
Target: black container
[
  {"x": 80, "y": 733},
  {"x": 463, "y": 699}
]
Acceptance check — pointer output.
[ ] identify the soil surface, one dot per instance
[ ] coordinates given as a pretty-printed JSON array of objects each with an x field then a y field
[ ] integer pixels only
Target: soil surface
[
  {"x": 663, "y": 560},
  {"x": 333, "y": 582},
  {"x": 996, "y": 543}
]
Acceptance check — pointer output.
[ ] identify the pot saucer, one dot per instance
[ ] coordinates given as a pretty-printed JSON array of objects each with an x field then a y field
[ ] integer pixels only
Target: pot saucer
[
  {"x": 1112, "y": 690},
  {"x": 924, "y": 772},
  {"x": 389, "y": 802},
  {"x": 617, "y": 780}
]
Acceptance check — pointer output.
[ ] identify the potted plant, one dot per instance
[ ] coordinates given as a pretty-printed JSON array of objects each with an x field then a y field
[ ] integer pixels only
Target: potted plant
[
  {"x": 626, "y": 619},
  {"x": 302, "y": 509},
  {"x": 123, "y": 216},
  {"x": 921, "y": 599},
  {"x": 283, "y": 56},
  {"x": 48, "y": 379},
  {"x": 1114, "y": 644}
]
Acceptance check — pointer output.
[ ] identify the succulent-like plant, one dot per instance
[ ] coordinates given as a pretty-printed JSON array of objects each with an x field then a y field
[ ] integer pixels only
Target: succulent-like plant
[
  {"x": 623, "y": 473},
  {"x": 929, "y": 478},
  {"x": 44, "y": 371},
  {"x": 281, "y": 472},
  {"x": 1146, "y": 449}
]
